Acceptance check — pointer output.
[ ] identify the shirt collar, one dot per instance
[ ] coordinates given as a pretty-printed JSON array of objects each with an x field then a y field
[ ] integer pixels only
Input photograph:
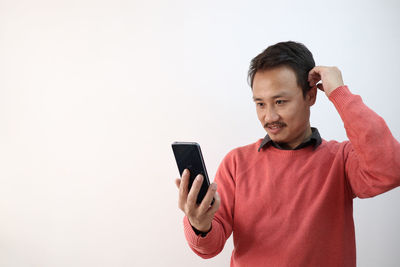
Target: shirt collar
[{"x": 315, "y": 140}]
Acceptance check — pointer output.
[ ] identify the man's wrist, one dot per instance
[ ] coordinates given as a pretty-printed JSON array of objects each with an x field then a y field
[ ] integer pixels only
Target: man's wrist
[
  {"x": 337, "y": 87},
  {"x": 201, "y": 233},
  {"x": 340, "y": 90}
]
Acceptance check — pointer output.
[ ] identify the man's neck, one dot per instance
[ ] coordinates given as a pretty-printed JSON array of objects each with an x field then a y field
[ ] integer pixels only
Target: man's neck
[{"x": 305, "y": 136}]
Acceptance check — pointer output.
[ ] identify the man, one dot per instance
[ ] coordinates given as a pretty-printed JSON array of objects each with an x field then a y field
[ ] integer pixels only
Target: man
[{"x": 288, "y": 198}]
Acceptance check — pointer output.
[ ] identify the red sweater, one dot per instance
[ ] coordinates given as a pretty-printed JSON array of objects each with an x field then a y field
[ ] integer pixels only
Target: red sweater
[{"x": 295, "y": 207}]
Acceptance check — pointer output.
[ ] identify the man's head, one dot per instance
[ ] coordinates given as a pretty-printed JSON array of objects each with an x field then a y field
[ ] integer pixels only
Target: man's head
[
  {"x": 291, "y": 54},
  {"x": 283, "y": 97}
]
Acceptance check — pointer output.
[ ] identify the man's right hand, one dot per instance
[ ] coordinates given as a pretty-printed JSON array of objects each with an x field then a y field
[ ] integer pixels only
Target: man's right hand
[{"x": 200, "y": 215}]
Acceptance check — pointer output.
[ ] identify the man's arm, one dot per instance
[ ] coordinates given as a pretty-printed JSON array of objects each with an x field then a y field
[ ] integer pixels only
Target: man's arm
[{"x": 372, "y": 157}]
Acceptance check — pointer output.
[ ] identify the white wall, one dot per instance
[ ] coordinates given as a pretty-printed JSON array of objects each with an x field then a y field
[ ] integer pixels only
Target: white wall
[{"x": 92, "y": 93}]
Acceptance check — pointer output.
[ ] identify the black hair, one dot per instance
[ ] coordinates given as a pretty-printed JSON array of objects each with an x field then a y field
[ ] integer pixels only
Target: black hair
[{"x": 291, "y": 54}]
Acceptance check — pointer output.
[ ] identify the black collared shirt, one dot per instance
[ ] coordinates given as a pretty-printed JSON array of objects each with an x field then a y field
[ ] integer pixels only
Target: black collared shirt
[{"x": 315, "y": 140}]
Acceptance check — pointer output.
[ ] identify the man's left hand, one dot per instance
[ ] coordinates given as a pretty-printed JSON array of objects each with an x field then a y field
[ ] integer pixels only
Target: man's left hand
[{"x": 330, "y": 77}]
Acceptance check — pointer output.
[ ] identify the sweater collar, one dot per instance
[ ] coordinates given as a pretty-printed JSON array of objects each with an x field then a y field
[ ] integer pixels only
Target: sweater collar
[{"x": 315, "y": 140}]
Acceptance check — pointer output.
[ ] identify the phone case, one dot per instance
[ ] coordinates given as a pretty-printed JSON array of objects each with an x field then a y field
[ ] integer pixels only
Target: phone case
[{"x": 188, "y": 156}]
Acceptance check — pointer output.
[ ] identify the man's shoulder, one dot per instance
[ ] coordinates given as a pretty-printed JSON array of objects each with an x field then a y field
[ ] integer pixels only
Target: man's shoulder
[
  {"x": 333, "y": 143},
  {"x": 249, "y": 148},
  {"x": 241, "y": 157},
  {"x": 334, "y": 146},
  {"x": 246, "y": 151}
]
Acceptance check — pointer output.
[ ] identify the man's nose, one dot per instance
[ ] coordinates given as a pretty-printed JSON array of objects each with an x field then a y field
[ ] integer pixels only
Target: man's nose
[{"x": 271, "y": 116}]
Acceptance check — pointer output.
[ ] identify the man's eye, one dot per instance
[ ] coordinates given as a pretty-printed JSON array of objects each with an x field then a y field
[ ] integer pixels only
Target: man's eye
[
  {"x": 260, "y": 105},
  {"x": 279, "y": 102}
]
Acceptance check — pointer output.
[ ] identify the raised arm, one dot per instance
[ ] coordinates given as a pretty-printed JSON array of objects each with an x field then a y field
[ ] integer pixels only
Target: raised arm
[{"x": 372, "y": 157}]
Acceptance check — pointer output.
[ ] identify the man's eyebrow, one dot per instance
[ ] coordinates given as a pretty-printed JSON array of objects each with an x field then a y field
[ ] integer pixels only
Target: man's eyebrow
[
  {"x": 278, "y": 96},
  {"x": 273, "y": 97}
]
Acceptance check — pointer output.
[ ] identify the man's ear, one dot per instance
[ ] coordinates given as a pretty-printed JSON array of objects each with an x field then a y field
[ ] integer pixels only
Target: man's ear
[{"x": 311, "y": 96}]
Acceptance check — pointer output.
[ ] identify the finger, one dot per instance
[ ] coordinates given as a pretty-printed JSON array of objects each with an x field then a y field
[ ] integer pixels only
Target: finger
[
  {"x": 183, "y": 186},
  {"x": 313, "y": 82},
  {"x": 208, "y": 198},
  {"x": 181, "y": 200},
  {"x": 313, "y": 72},
  {"x": 177, "y": 182},
  {"x": 194, "y": 191},
  {"x": 317, "y": 69},
  {"x": 214, "y": 208},
  {"x": 313, "y": 78},
  {"x": 316, "y": 72}
]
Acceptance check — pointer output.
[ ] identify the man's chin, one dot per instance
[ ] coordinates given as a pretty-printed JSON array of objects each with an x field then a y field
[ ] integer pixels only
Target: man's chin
[
  {"x": 278, "y": 141},
  {"x": 276, "y": 135}
]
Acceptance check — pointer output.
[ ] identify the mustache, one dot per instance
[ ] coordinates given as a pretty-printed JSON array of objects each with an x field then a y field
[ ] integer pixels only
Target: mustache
[{"x": 279, "y": 124}]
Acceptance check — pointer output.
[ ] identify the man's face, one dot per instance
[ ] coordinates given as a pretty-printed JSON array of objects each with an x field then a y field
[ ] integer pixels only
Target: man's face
[{"x": 281, "y": 108}]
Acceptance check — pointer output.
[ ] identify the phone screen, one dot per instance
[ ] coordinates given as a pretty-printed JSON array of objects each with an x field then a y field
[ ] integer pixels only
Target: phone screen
[{"x": 188, "y": 156}]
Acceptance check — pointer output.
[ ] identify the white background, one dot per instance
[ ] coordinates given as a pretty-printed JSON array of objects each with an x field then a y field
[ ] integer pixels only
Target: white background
[{"x": 92, "y": 94}]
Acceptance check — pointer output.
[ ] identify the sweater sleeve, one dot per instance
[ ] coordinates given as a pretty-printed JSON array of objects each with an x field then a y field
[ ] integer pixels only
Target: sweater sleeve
[
  {"x": 221, "y": 228},
  {"x": 372, "y": 157}
]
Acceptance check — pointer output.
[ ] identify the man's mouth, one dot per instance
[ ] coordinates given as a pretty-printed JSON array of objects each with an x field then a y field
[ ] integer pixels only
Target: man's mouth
[{"x": 274, "y": 128}]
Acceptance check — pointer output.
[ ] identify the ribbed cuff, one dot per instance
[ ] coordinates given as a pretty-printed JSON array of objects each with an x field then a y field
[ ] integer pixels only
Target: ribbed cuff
[
  {"x": 190, "y": 232},
  {"x": 340, "y": 96},
  {"x": 191, "y": 235}
]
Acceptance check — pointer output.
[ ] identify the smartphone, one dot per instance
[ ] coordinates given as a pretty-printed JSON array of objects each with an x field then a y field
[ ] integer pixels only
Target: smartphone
[{"x": 188, "y": 156}]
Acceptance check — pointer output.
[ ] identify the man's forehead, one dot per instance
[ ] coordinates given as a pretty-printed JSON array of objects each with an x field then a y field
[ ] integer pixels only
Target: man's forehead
[{"x": 279, "y": 81}]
